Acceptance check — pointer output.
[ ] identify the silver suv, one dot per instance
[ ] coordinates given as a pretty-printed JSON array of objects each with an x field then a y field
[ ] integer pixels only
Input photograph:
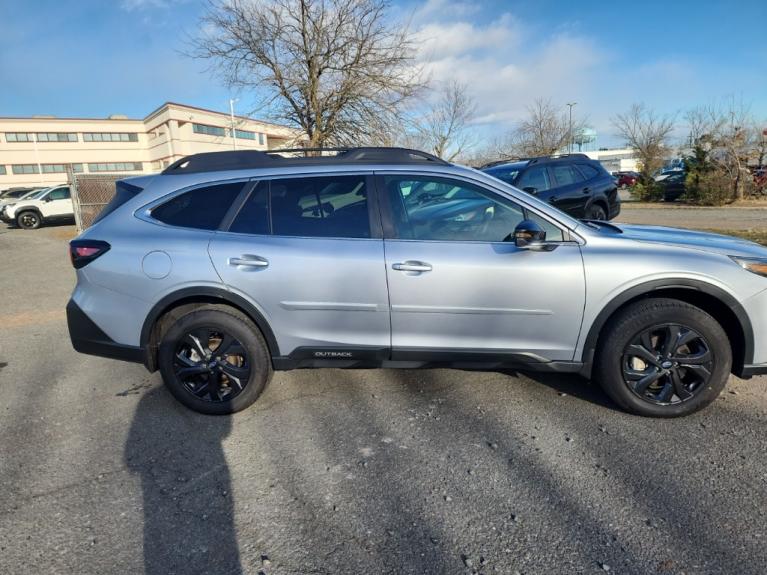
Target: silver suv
[{"x": 230, "y": 265}]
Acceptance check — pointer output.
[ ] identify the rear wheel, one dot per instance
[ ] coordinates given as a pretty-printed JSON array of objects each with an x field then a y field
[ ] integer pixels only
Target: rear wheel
[
  {"x": 663, "y": 358},
  {"x": 29, "y": 220},
  {"x": 215, "y": 360},
  {"x": 596, "y": 212}
]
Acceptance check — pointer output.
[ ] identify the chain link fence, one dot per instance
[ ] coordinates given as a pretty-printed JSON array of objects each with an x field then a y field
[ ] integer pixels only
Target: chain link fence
[{"x": 90, "y": 193}]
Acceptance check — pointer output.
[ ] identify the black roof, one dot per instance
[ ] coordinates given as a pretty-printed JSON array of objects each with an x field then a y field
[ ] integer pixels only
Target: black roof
[{"x": 248, "y": 159}]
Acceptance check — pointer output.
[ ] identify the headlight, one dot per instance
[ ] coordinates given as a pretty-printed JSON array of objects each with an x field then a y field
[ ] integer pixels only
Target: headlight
[{"x": 754, "y": 265}]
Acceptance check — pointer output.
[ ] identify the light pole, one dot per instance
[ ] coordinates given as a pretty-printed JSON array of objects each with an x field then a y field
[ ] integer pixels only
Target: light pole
[
  {"x": 231, "y": 115},
  {"x": 570, "y": 129}
]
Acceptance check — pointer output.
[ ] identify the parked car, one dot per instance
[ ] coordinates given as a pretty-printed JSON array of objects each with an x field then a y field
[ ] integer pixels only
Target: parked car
[
  {"x": 573, "y": 183},
  {"x": 673, "y": 185},
  {"x": 229, "y": 265},
  {"x": 14, "y": 194},
  {"x": 626, "y": 179},
  {"x": 44, "y": 206}
]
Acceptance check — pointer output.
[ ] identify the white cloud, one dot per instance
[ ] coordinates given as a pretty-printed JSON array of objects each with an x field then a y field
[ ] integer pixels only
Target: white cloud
[
  {"x": 136, "y": 5},
  {"x": 507, "y": 64}
]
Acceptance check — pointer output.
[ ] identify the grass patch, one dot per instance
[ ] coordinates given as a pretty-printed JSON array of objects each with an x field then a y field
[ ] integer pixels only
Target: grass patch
[{"x": 758, "y": 236}]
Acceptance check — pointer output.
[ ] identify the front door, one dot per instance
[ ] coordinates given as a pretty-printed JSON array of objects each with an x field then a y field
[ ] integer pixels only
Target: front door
[
  {"x": 459, "y": 288},
  {"x": 305, "y": 252},
  {"x": 57, "y": 204}
]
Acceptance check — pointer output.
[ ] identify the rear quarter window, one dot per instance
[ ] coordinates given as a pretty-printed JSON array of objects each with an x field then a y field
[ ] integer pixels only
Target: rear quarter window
[{"x": 202, "y": 208}]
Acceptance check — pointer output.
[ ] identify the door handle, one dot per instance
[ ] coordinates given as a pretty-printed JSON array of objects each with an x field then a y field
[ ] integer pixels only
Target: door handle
[
  {"x": 586, "y": 190},
  {"x": 248, "y": 260},
  {"x": 412, "y": 266}
]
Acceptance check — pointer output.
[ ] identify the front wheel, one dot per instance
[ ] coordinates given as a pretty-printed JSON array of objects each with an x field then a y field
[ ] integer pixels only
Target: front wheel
[
  {"x": 28, "y": 220},
  {"x": 663, "y": 358},
  {"x": 214, "y": 360}
]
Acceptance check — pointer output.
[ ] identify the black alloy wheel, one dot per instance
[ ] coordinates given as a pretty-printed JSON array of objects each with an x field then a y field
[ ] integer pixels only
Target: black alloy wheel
[
  {"x": 212, "y": 365},
  {"x": 28, "y": 220},
  {"x": 667, "y": 364}
]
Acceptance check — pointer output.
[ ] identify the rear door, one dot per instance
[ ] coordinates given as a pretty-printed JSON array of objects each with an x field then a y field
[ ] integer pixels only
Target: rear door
[
  {"x": 459, "y": 288},
  {"x": 308, "y": 252}
]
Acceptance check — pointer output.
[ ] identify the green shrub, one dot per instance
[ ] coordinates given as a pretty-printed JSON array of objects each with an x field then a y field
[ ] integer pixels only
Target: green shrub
[
  {"x": 708, "y": 188},
  {"x": 647, "y": 192}
]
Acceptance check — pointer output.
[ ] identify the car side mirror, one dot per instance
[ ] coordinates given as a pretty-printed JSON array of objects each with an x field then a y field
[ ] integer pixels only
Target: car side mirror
[
  {"x": 529, "y": 235},
  {"x": 530, "y": 190},
  {"x": 48, "y": 199}
]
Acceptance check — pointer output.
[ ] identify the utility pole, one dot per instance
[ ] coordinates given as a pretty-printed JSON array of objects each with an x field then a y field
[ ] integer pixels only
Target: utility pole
[
  {"x": 570, "y": 129},
  {"x": 231, "y": 115}
]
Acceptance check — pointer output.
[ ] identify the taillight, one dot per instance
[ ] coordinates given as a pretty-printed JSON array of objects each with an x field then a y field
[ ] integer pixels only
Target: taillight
[{"x": 83, "y": 252}]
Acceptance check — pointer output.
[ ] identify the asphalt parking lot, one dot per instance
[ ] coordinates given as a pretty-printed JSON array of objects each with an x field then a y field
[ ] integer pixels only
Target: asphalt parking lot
[{"x": 334, "y": 471}]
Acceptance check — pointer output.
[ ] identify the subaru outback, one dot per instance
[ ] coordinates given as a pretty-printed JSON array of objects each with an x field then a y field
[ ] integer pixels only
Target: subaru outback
[{"x": 229, "y": 265}]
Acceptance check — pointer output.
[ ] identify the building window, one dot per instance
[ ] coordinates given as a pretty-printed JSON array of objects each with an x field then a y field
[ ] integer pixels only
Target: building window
[
  {"x": 110, "y": 137},
  {"x": 208, "y": 130},
  {"x": 19, "y": 169},
  {"x": 56, "y": 137},
  {"x": 61, "y": 168},
  {"x": 261, "y": 139},
  {"x": 245, "y": 135},
  {"x": 116, "y": 167},
  {"x": 2, "y": 171},
  {"x": 19, "y": 137}
]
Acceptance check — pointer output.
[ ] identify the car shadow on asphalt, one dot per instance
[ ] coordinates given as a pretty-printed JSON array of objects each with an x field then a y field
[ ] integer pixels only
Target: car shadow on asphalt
[
  {"x": 186, "y": 488},
  {"x": 570, "y": 384}
]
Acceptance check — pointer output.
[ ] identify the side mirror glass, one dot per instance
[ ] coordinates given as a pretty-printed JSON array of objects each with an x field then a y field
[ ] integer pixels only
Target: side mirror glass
[
  {"x": 530, "y": 190},
  {"x": 529, "y": 235}
]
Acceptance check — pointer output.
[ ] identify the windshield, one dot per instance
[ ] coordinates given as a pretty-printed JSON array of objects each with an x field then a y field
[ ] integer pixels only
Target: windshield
[{"x": 34, "y": 195}]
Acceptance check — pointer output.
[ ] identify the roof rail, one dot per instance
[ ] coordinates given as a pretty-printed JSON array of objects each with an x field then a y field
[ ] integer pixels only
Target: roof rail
[
  {"x": 248, "y": 159},
  {"x": 534, "y": 159}
]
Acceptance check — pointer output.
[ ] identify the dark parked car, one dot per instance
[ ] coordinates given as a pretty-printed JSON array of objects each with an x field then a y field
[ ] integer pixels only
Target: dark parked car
[
  {"x": 573, "y": 183},
  {"x": 672, "y": 185}
]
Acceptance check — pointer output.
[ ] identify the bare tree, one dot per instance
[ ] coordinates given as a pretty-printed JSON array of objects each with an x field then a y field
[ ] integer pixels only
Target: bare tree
[
  {"x": 725, "y": 139},
  {"x": 444, "y": 129},
  {"x": 336, "y": 69},
  {"x": 647, "y": 133},
  {"x": 544, "y": 131}
]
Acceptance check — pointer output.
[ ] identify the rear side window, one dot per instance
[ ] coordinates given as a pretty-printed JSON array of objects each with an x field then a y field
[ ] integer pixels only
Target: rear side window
[
  {"x": 589, "y": 172},
  {"x": 201, "y": 208},
  {"x": 253, "y": 217},
  {"x": 332, "y": 207}
]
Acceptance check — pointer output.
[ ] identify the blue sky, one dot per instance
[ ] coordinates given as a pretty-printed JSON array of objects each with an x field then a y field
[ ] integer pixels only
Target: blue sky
[{"x": 93, "y": 58}]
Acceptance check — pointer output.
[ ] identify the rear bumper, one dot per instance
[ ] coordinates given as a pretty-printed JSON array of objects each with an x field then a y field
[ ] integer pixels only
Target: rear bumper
[{"x": 88, "y": 338}]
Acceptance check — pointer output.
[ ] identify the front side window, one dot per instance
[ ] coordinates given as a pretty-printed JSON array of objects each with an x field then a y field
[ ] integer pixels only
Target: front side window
[
  {"x": 441, "y": 209},
  {"x": 59, "y": 194},
  {"x": 566, "y": 175},
  {"x": 201, "y": 208},
  {"x": 331, "y": 207},
  {"x": 536, "y": 177}
]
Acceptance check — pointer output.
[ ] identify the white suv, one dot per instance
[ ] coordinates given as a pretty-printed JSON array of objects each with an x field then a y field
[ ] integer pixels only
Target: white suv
[{"x": 51, "y": 205}]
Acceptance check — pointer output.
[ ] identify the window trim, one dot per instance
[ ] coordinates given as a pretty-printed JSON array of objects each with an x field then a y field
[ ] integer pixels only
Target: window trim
[
  {"x": 374, "y": 213},
  {"x": 390, "y": 231}
]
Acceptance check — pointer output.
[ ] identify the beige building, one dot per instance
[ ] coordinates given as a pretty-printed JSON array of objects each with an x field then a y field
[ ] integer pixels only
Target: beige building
[{"x": 39, "y": 150}]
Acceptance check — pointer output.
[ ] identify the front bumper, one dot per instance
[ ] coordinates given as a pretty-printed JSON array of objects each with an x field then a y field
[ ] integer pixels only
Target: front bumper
[{"x": 88, "y": 338}]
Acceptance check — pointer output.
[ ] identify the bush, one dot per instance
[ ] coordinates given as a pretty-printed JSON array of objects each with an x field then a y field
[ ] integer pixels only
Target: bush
[
  {"x": 708, "y": 188},
  {"x": 647, "y": 192}
]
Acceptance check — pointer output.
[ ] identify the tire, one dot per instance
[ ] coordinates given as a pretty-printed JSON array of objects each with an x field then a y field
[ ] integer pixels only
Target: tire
[
  {"x": 213, "y": 384},
  {"x": 29, "y": 220},
  {"x": 643, "y": 384},
  {"x": 596, "y": 212}
]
